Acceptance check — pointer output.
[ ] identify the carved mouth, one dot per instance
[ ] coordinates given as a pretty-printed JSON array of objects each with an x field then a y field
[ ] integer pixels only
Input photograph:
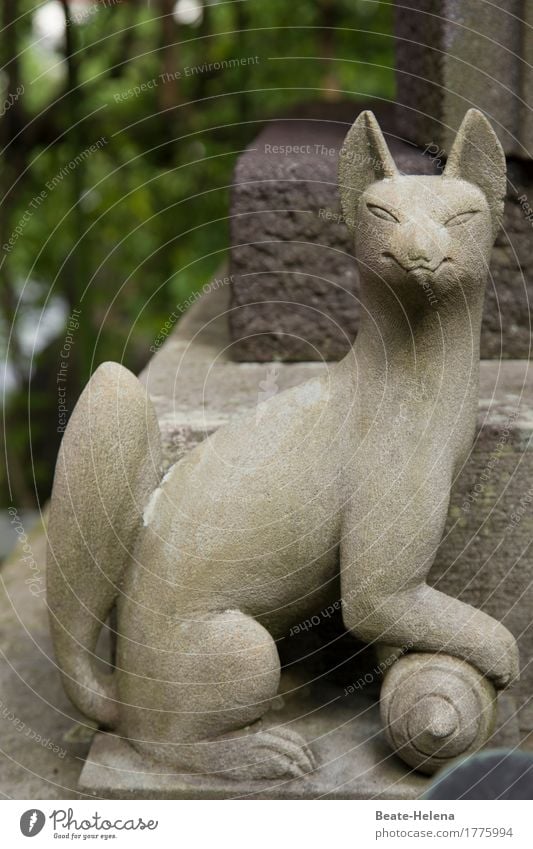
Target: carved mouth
[{"x": 419, "y": 267}]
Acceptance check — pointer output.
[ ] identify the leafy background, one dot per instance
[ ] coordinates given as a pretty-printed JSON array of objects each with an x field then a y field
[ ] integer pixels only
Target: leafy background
[{"x": 140, "y": 224}]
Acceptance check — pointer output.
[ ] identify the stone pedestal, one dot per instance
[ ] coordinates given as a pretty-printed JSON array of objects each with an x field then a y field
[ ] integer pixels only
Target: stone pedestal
[
  {"x": 354, "y": 760},
  {"x": 454, "y": 54}
]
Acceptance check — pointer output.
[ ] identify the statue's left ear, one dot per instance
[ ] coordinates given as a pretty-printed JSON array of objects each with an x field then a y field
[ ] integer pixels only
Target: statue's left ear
[
  {"x": 477, "y": 157},
  {"x": 364, "y": 159}
]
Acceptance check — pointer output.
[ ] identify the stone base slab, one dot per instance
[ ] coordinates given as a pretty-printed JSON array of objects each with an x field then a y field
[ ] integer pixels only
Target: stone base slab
[{"x": 354, "y": 760}]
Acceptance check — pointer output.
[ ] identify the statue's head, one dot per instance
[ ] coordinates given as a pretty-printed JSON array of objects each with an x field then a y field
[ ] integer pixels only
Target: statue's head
[{"x": 430, "y": 230}]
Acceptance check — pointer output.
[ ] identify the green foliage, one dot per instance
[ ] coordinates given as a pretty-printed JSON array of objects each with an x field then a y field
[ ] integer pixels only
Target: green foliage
[{"x": 140, "y": 223}]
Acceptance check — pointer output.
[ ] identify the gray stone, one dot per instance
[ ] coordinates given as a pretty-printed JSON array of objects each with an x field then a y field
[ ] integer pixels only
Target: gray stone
[
  {"x": 295, "y": 290},
  {"x": 31, "y": 690},
  {"x": 502, "y": 775},
  {"x": 485, "y": 554},
  {"x": 453, "y": 54},
  {"x": 265, "y": 521},
  {"x": 474, "y": 556},
  {"x": 42, "y": 748},
  {"x": 108, "y": 464},
  {"x": 196, "y": 387},
  {"x": 473, "y": 561},
  {"x": 435, "y": 709},
  {"x": 295, "y": 284},
  {"x": 353, "y": 757}
]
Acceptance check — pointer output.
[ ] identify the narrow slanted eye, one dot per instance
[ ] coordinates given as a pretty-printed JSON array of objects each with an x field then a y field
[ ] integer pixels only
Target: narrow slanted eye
[
  {"x": 381, "y": 212},
  {"x": 461, "y": 218}
]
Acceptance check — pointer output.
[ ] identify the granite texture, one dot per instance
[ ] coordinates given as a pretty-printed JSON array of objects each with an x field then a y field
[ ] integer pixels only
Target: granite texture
[
  {"x": 295, "y": 290},
  {"x": 295, "y": 284},
  {"x": 108, "y": 768},
  {"x": 473, "y": 562},
  {"x": 43, "y": 740},
  {"x": 480, "y": 559},
  {"x": 353, "y": 758},
  {"x": 334, "y": 490}
]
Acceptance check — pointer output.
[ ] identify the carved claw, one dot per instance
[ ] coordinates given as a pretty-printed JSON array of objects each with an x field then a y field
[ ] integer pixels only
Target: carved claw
[
  {"x": 509, "y": 663},
  {"x": 276, "y": 753},
  {"x": 500, "y": 660}
]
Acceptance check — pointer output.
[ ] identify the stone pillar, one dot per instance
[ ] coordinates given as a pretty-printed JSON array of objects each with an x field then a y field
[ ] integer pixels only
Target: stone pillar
[{"x": 454, "y": 54}]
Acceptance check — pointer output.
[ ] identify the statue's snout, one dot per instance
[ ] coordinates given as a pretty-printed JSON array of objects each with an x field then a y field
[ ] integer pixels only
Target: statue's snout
[{"x": 420, "y": 245}]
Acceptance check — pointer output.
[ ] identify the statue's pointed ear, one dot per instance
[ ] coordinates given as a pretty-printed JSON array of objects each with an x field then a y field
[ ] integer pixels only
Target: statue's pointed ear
[
  {"x": 477, "y": 157},
  {"x": 364, "y": 159}
]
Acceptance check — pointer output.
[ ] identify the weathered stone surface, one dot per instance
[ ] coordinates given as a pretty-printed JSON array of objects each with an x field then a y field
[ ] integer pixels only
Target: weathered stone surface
[
  {"x": 454, "y": 54},
  {"x": 507, "y": 316},
  {"x": 353, "y": 757},
  {"x": 108, "y": 464},
  {"x": 435, "y": 708},
  {"x": 339, "y": 485},
  {"x": 194, "y": 384},
  {"x": 486, "y": 552},
  {"x": 43, "y": 739},
  {"x": 503, "y": 775},
  {"x": 295, "y": 284},
  {"x": 479, "y": 560},
  {"x": 295, "y": 293},
  {"x": 473, "y": 561}
]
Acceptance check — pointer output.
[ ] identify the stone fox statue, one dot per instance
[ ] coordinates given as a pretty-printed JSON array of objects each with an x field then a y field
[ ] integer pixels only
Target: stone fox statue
[{"x": 339, "y": 489}]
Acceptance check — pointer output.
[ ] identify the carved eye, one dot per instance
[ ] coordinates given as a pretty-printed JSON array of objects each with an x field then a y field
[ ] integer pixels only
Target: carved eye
[
  {"x": 460, "y": 218},
  {"x": 381, "y": 212}
]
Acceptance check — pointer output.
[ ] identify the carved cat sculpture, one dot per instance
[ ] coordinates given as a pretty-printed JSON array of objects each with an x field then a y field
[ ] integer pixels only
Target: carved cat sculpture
[{"x": 330, "y": 491}]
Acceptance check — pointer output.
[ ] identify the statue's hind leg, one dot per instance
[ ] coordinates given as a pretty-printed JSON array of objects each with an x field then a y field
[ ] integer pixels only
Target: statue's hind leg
[{"x": 201, "y": 712}]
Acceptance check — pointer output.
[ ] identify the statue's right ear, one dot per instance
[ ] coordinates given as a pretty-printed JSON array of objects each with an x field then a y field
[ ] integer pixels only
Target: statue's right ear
[
  {"x": 364, "y": 159},
  {"x": 477, "y": 157}
]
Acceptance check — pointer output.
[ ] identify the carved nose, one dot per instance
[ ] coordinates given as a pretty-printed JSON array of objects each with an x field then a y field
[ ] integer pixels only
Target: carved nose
[{"x": 419, "y": 254}]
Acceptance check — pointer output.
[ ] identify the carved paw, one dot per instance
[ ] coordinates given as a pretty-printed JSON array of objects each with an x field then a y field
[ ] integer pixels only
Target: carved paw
[
  {"x": 273, "y": 754},
  {"x": 500, "y": 662}
]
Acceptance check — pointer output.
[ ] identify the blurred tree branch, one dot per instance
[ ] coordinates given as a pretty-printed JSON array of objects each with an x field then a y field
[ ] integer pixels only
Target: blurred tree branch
[
  {"x": 126, "y": 43},
  {"x": 168, "y": 92},
  {"x": 13, "y": 164}
]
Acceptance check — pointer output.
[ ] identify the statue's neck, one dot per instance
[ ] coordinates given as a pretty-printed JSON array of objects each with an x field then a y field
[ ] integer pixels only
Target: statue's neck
[{"x": 420, "y": 338}]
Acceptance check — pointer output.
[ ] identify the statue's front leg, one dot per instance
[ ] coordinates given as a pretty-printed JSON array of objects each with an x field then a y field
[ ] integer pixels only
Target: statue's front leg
[
  {"x": 423, "y": 619},
  {"x": 386, "y": 599},
  {"x": 437, "y": 701}
]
